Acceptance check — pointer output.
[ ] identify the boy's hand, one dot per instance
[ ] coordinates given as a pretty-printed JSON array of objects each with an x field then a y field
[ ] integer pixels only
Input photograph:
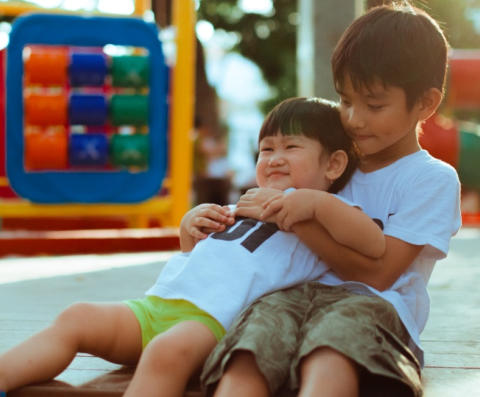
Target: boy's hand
[
  {"x": 204, "y": 219},
  {"x": 252, "y": 203},
  {"x": 291, "y": 208}
]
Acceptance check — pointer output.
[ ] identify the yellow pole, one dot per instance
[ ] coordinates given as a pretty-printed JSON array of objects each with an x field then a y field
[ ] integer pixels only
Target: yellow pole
[
  {"x": 182, "y": 108},
  {"x": 141, "y": 6},
  {"x": 14, "y": 8}
]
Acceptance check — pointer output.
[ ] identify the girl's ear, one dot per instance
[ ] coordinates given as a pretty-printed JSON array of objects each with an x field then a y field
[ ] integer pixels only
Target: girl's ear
[
  {"x": 337, "y": 163},
  {"x": 429, "y": 103}
]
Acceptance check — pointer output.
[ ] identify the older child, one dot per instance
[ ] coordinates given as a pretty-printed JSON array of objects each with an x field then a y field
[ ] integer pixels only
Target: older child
[
  {"x": 356, "y": 330},
  {"x": 171, "y": 331}
]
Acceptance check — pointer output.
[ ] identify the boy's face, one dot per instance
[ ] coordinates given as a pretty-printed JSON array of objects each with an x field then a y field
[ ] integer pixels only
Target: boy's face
[
  {"x": 378, "y": 120},
  {"x": 286, "y": 161}
]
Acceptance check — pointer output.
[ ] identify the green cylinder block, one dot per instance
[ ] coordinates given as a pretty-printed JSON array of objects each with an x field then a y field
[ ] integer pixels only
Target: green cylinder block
[
  {"x": 130, "y": 71},
  {"x": 469, "y": 163},
  {"x": 129, "y": 150},
  {"x": 129, "y": 109}
]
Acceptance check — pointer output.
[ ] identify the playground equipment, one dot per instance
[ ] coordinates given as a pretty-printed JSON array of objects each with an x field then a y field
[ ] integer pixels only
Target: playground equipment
[
  {"x": 39, "y": 118},
  {"x": 87, "y": 131}
]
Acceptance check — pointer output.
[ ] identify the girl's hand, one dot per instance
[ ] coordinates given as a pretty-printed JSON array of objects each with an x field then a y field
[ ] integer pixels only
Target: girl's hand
[
  {"x": 202, "y": 220},
  {"x": 252, "y": 203},
  {"x": 291, "y": 208}
]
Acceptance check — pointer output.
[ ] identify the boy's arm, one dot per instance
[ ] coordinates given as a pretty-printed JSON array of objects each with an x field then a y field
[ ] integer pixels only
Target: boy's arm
[
  {"x": 347, "y": 225},
  {"x": 201, "y": 220},
  {"x": 348, "y": 264}
]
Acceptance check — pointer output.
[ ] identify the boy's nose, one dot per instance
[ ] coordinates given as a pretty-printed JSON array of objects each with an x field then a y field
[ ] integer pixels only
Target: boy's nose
[{"x": 355, "y": 119}]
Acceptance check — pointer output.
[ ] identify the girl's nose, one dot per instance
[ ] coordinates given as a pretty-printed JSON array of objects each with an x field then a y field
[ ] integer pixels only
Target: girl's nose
[{"x": 276, "y": 159}]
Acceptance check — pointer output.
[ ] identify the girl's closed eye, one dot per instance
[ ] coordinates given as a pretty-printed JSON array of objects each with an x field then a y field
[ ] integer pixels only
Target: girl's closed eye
[{"x": 375, "y": 107}]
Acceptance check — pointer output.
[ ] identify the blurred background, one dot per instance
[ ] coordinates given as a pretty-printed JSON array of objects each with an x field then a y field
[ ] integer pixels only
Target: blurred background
[{"x": 251, "y": 54}]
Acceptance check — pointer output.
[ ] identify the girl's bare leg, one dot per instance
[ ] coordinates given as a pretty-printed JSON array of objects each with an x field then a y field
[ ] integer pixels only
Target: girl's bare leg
[
  {"x": 326, "y": 372},
  {"x": 170, "y": 359},
  {"x": 110, "y": 331},
  {"x": 242, "y": 378}
]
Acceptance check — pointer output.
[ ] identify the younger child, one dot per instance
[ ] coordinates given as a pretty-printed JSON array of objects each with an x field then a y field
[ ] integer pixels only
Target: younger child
[
  {"x": 356, "y": 330},
  {"x": 172, "y": 330}
]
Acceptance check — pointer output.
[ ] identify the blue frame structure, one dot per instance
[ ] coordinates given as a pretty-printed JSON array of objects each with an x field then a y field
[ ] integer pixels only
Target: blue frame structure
[{"x": 71, "y": 186}]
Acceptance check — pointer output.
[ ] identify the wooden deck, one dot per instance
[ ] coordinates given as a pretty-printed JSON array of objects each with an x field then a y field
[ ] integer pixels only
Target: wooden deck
[{"x": 34, "y": 290}]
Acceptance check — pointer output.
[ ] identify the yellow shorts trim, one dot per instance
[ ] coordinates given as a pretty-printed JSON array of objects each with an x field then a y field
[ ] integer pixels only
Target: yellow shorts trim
[{"x": 157, "y": 315}]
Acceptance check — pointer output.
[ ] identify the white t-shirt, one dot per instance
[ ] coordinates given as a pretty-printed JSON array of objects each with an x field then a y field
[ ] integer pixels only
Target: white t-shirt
[
  {"x": 227, "y": 271},
  {"x": 417, "y": 200}
]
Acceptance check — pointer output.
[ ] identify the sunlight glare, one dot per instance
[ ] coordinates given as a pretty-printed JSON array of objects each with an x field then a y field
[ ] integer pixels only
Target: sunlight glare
[
  {"x": 205, "y": 30},
  {"x": 116, "y": 6},
  {"x": 32, "y": 268},
  {"x": 47, "y": 3},
  {"x": 263, "y": 7}
]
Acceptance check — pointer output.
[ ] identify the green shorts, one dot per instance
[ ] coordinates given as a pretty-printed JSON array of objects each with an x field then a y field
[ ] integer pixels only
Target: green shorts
[
  {"x": 157, "y": 315},
  {"x": 282, "y": 328}
]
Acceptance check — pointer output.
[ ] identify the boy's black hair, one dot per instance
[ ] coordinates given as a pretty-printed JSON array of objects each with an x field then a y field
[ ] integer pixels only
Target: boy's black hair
[
  {"x": 398, "y": 44},
  {"x": 317, "y": 119}
]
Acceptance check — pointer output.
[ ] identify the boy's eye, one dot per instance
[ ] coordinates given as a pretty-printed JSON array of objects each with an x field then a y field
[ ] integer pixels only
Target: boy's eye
[
  {"x": 291, "y": 146},
  {"x": 344, "y": 102},
  {"x": 375, "y": 107},
  {"x": 266, "y": 149}
]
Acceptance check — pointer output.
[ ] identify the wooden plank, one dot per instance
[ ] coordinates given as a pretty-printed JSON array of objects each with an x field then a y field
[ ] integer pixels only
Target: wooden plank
[
  {"x": 451, "y": 382},
  {"x": 452, "y": 346},
  {"x": 451, "y": 354},
  {"x": 90, "y": 376}
]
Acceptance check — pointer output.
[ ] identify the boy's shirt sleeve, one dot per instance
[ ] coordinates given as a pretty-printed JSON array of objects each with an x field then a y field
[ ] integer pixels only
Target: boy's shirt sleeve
[
  {"x": 347, "y": 201},
  {"x": 428, "y": 213}
]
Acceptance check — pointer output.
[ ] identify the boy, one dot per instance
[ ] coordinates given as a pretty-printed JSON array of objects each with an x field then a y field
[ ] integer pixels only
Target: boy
[
  {"x": 171, "y": 331},
  {"x": 357, "y": 328}
]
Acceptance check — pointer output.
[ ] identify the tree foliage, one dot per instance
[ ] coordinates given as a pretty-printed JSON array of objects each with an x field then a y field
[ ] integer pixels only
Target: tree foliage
[
  {"x": 270, "y": 41},
  {"x": 267, "y": 40}
]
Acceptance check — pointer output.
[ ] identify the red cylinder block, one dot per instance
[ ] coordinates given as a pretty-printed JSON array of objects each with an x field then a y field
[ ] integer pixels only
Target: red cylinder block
[
  {"x": 440, "y": 137},
  {"x": 464, "y": 79}
]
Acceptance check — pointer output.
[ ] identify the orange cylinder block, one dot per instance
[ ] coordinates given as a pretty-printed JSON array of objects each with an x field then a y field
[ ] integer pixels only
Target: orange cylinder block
[
  {"x": 46, "y": 109},
  {"x": 47, "y": 66},
  {"x": 46, "y": 148}
]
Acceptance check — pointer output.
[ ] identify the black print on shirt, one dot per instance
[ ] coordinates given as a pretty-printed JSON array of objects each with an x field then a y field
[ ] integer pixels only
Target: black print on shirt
[{"x": 252, "y": 242}]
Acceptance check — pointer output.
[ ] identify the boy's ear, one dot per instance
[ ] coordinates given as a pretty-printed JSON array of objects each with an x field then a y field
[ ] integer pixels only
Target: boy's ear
[
  {"x": 429, "y": 102},
  {"x": 337, "y": 163}
]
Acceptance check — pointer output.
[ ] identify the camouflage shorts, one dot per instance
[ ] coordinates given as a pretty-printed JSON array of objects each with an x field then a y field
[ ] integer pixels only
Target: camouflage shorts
[{"x": 282, "y": 328}]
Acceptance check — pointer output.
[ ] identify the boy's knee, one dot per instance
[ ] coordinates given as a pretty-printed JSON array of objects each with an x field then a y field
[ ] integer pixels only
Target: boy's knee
[
  {"x": 326, "y": 357},
  {"x": 242, "y": 377},
  {"x": 243, "y": 365},
  {"x": 242, "y": 360}
]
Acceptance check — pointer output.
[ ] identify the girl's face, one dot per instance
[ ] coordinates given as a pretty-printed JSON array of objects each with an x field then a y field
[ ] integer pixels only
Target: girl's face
[{"x": 295, "y": 161}]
